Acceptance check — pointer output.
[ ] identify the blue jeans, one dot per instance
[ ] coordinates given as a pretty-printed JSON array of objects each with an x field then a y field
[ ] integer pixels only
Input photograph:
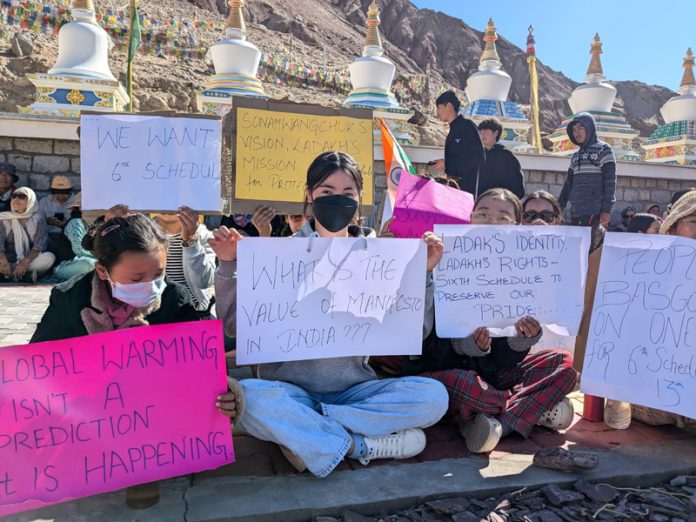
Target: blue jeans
[{"x": 317, "y": 427}]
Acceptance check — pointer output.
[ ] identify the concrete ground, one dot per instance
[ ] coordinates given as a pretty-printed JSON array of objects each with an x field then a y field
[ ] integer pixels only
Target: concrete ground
[{"x": 263, "y": 486}]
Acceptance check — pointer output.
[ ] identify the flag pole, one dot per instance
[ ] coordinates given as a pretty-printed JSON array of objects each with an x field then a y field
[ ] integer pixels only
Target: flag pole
[
  {"x": 131, "y": 52},
  {"x": 537, "y": 144}
]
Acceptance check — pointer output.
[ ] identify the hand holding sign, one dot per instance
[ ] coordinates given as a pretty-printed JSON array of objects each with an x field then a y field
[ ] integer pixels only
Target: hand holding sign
[{"x": 224, "y": 243}]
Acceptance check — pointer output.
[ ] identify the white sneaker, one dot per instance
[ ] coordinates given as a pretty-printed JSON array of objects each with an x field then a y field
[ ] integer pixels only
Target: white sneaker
[
  {"x": 400, "y": 445},
  {"x": 560, "y": 417},
  {"x": 481, "y": 434}
]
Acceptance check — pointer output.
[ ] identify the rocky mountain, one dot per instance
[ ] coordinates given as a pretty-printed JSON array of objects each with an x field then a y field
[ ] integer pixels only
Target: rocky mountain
[{"x": 330, "y": 31}]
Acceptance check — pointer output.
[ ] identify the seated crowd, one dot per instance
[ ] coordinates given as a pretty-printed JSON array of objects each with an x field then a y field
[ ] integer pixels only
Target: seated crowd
[{"x": 128, "y": 269}]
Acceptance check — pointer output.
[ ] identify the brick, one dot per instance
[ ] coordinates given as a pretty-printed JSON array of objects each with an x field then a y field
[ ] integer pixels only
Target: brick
[
  {"x": 532, "y": 187},
  {"x": 6, "y": 144},
  {"x": 40, "y": 181},
  {"x": 631, "y": 194},
  {"x": 644, "y": 195},
  {"x": 51, "y": 164},
  {"x": 21, "y": 161},
  {"x": 71, "y": 148},
  {"x": 34, "y": 145},
  {"x": 535, "y": 176},
  {"x": 637, "y": 182},
  {"x": 75, "y": 165},
  {"x": 660, "y": 196},
  {"x": 549, "y": 177}
]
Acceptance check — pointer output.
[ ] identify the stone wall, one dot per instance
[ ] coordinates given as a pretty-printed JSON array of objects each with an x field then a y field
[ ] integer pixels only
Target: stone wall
[
  {"x": 630, "y": 191},
  {"x": 37, "y": 160},
  {"x": 639, "y": 184}
]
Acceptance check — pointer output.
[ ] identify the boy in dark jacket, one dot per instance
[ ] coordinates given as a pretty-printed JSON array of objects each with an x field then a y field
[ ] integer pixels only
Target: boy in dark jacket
[
  {"x": 501, "y": 168},
  {"x": 464, "y": 151},
  {"x": 590, "y": 185}
]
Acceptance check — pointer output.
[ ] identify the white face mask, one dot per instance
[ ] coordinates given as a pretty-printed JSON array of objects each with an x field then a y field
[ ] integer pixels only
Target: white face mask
[{"x": 139, "y": 295}]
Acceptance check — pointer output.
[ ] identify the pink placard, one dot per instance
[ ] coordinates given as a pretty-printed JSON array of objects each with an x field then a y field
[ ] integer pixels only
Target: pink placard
[
  {"x": 421, "y": 203},
  {"x": 102, "y": 412}
]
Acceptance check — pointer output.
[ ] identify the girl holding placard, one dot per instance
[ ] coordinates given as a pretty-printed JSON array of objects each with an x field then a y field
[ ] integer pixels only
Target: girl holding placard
[
  {"x": 321, "y": 411},
  {"x": 495, "y": 385}
]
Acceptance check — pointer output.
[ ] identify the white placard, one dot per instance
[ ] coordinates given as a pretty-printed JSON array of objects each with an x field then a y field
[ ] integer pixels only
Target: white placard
[
  {"x": 494, "y": 275},
  {"x": 150, "y": 162},
  {"x": 551, "y": 339},
  {"x": 641, "y": 346},
  {"x": 317, "y": 298}
]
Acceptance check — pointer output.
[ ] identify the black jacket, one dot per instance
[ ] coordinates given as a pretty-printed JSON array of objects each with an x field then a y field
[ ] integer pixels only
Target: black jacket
[
  {"x": 501, "y": 170},
  {"x": 464, "y": 153},
  {"x": 62, "y": 318},
  {"x": 438, "y": 354}
]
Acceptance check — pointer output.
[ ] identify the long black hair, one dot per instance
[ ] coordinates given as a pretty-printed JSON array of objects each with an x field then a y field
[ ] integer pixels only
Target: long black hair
[{"x": 130, "y": 233}]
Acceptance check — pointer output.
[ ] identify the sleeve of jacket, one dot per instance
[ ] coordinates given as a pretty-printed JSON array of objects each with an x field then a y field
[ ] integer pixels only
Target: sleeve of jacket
[
  {"x": 200, "y": 259},
  {"x": 516, "y": 175},
  {"x": 467, "y": 346},
  {"x": 226, "y": 296},
  {"x": 523, "y": 344},
  {"x": 565, "y": 191},
  {"x": 609, "y": 178},
  {"x": 469, "y": 152},
  {"x": 52, "y": 326}
]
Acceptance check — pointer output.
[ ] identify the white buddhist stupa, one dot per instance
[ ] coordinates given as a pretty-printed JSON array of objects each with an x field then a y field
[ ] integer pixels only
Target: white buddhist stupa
[
  {"x": 371, "y": 78},
  {"x": 487, "y": 91},
  {"x": 236, "y": 64},
  {"x": 596, "y": 96},
  {"x": 81, "y": 78},
  {"x": 675, "y": 141}
]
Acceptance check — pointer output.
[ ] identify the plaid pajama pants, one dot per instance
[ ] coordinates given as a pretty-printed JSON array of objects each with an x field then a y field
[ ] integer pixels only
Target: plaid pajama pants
[{"x": 526, "y": 391}]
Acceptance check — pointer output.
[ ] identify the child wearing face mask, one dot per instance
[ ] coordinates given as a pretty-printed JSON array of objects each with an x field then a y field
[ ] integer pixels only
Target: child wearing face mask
[
  {"x": 322, "y": 411},
  {"x": 127, "y": 287}
]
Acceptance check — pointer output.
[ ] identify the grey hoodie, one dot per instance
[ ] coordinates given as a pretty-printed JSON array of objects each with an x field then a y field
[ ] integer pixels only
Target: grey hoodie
[
  {"x": 590, "y": 185},
  {"x": 318, "y": 375}
]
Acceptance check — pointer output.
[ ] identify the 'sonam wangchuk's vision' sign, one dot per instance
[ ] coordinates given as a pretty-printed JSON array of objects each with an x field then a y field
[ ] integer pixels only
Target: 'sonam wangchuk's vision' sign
[{"x": 102, "y": 412}]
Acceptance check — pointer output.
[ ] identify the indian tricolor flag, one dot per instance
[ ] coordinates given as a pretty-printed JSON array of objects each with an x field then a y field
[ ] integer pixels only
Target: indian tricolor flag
[{"x": 395, "y": 162}]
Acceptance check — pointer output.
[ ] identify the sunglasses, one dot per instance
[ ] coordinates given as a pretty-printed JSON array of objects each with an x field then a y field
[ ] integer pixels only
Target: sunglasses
[
  {"x": 19, "y": 196},
  {"x": 61, "y": 191},
  {"x": 548, "y": 216}
]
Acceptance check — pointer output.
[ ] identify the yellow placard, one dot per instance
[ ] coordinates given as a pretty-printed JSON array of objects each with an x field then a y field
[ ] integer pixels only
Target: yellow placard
[{"x": 274, "y": 150}]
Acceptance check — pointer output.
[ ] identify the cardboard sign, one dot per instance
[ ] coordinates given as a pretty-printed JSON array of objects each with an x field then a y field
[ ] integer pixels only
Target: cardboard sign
[
  {"x": 642, "y": 340},
  {"x": 421, "y": 203},
  {"x": 156, "y": 163},
  {"x": 552, "y": 340},
  {"x": 102, "y": 412},
  {"x": 318, "y": 298},
  {"x": 494, "y": 275},
  {"x": 273, "y": 144}
]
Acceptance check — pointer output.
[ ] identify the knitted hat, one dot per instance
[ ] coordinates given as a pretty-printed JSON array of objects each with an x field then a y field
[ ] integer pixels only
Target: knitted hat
[
  {"x": 10, "y": 169},
  {"x": 685, "y": 206},
  {"x": 61, "y": 183}
]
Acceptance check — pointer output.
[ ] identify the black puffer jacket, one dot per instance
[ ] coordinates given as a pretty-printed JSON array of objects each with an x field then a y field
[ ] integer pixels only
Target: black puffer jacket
[{"x": 62, "y": 319}]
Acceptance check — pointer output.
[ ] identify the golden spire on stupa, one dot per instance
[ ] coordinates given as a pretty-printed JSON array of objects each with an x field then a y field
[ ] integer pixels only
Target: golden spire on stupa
[
  {"x": 235, "y": 20},
  {"x": 688, "y": 78},
  {"x": 490, "y": 53},
  {"x": 595, "y": 62},
  {"x": 373, "y": 38},
  {"x": 87, "y": 5}
]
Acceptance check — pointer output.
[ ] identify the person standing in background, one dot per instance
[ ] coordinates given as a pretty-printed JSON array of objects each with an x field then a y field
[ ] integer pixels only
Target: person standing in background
[{"x": 464, "y": 152}]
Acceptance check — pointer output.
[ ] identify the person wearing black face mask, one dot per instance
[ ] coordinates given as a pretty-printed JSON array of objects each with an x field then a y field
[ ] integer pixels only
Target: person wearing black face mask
[
  {"x": 75, "y": 230},
  {"x": 311, "y": 436}
]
